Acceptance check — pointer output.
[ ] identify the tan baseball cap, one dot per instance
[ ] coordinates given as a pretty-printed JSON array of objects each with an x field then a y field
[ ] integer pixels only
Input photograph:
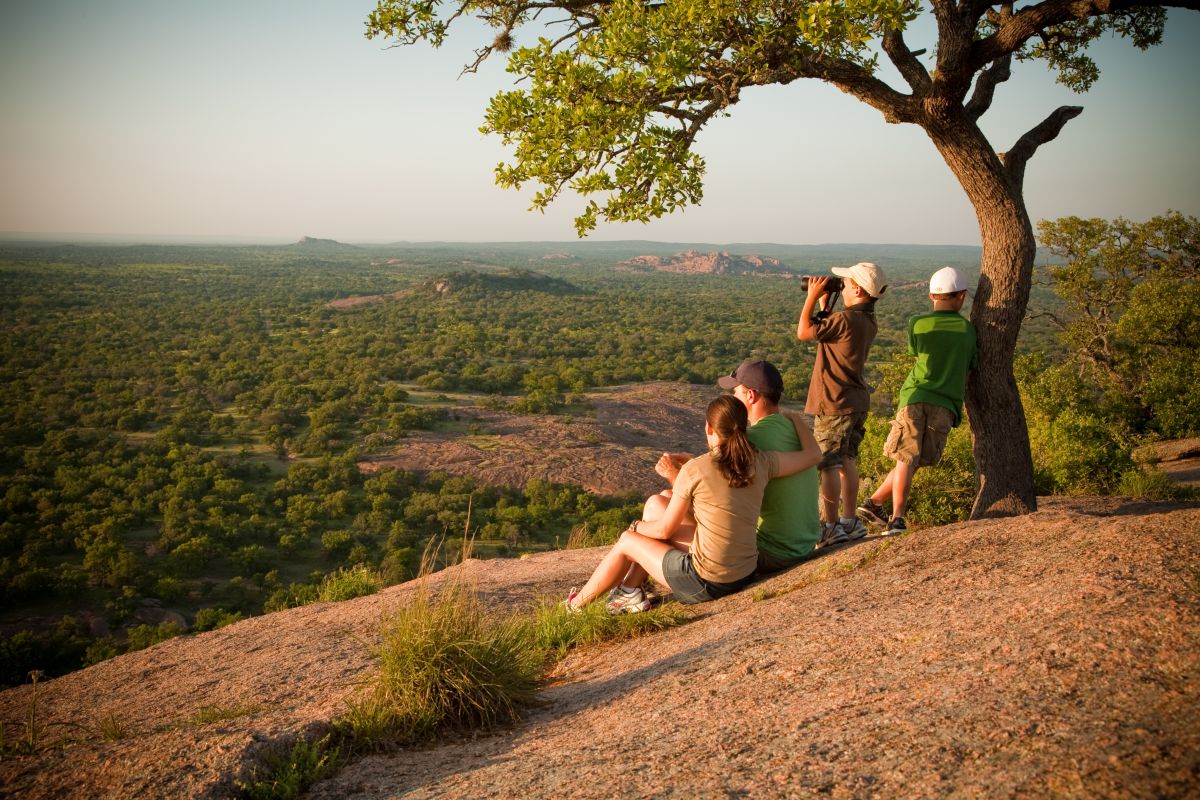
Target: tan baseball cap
[{"x": 867, "y": 275}]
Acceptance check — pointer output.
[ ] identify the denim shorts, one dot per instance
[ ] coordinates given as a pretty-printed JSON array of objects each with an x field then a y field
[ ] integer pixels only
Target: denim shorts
[{"x": 687, "y": 585}]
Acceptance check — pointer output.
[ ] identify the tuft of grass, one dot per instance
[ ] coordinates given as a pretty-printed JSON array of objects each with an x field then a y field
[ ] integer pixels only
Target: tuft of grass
[
  {"x": 1151, "y": 483},
  {"x": 348, "y": 583},
  {"x": 446, "y": 664},
  {"x": 32, "y": 740},
  {"x": 285, "y": 774},
  {"x": 555, "y": 632},
  {"x": 209, "y": 714},
  {"x": 112, "y": 728}
]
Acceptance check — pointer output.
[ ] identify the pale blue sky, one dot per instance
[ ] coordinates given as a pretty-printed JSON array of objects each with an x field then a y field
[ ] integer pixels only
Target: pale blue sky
[{"x": 267, "y": 120}]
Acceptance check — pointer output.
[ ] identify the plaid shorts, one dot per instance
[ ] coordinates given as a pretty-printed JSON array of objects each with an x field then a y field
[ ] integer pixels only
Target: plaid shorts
[
  {"x": 919, "y": 434},
  {"x": 839, "y": 437}
]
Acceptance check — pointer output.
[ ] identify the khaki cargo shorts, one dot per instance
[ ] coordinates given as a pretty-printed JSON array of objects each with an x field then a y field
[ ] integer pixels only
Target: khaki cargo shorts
[
  {"x": 839, "y": 437},
  {"x": 918, "y": 434}
]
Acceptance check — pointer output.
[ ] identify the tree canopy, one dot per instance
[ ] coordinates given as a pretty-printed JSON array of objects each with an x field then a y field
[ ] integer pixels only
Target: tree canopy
[
  {"x": 614, "y": 93},
  {"x": 1132, "y": 314}
]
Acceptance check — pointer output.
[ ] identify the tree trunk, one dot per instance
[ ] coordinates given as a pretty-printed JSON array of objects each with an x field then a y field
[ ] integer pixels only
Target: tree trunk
[{"x": 1001, "y": 436}]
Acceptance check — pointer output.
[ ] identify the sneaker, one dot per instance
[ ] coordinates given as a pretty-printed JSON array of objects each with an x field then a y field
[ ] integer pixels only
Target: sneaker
[
  {"x": 571, "y": 595},
  {"x": 872, "y": 513},
  {"x": 854, "y": 529},
  {"x": 895, "y": 527},
  {"x": 623, "y": 602},
  {"x": 832, "y": 533}
]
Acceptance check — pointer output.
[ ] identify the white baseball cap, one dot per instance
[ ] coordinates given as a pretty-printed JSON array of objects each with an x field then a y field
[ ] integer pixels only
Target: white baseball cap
[
  {"x": 948, "y": 280},
  {"x": 866, "y": 275}
]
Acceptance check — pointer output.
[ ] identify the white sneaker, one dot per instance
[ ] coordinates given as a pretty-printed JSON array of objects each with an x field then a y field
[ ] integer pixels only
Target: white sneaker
[
  {"x": 623, "y": 602},
  {"x": 832, "y": 533}
]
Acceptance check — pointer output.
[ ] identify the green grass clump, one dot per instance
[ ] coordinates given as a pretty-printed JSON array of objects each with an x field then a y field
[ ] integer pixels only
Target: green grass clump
[
  {"x": 348, "y": 583},
  {"x": 555, "y": 632},
  {"x": 210, "y": 714},
  {"x": 112, "y": 728},
  {"x": 285, "y": 774},
  {"x": 447, "y": 664},
  {"x": 1151, "y": 483}
]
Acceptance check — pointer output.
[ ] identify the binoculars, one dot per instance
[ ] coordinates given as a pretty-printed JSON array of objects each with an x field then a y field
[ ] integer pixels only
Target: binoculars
[{"x": 834, "y": 284}]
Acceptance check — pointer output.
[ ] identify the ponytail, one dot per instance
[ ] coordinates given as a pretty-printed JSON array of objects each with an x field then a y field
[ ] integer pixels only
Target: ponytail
[{"x": 734, "y": 455}]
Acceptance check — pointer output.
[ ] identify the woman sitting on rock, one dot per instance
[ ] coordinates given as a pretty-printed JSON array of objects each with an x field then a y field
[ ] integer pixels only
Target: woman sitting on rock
[{"x": 701, "y": 541}]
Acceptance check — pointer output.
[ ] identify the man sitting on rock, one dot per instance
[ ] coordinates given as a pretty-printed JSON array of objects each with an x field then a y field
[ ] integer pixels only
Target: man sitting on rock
[{"x": 789, "y": 522}]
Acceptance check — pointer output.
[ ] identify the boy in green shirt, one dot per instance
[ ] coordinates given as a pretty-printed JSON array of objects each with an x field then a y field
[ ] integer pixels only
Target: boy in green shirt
[{"x": 930, "y": 402}]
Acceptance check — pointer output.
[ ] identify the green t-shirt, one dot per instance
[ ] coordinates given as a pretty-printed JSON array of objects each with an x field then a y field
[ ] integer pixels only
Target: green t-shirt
[
  {"x": 944, "y": 344},
  {"x": 789, "y": 522}
]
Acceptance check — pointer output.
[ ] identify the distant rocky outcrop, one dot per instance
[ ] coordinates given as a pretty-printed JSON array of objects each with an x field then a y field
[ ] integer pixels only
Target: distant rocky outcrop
[
  {"x": 696, "y": 263},
  {"x": 470, "y": 283},
  {"x": 311, "y": 243}
]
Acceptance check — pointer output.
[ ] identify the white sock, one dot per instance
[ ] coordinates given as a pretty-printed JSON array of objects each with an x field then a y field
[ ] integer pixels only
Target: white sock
[
  {"x": 848, "y": 521},
  {"x": 628, "y": 589}
]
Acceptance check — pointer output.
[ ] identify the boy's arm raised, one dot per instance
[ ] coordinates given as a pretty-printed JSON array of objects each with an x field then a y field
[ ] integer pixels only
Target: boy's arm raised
[{"x": 805, "y": 330}]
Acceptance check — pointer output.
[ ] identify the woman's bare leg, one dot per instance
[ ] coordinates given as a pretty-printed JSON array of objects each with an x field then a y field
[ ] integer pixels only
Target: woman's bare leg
[
  {"x": 681, "y": 539},
  {"x": 631, "y": 548}
]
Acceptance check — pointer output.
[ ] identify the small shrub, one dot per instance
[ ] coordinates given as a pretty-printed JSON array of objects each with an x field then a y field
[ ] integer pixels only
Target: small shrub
[
  {"x": 209, "y": 619},
  {"x": 101, "y": 649},
  {"x": 446, "y": 664},
  {"x": 940, "y": 494},
  {"x": 945, "y": 493},
  {"x": 286, "y": 774},
  {"x": 348, "y": 583},
  {"x": 142, "y": 636},
  {"x": 296, "y": 594},
  {"x": 1151, "y": 484}
]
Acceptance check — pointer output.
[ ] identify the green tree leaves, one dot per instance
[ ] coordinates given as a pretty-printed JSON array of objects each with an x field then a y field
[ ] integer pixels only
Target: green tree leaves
[{"x": 1132, "y": 318}]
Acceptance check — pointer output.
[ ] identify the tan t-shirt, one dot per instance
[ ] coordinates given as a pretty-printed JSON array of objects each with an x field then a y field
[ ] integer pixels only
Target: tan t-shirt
[
  {"x": 843, "y": 340},
  {"x": 725, "y": 548}
]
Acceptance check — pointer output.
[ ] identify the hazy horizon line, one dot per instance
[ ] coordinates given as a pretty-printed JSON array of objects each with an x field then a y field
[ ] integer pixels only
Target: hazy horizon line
[{"x": 183, "y": 240}]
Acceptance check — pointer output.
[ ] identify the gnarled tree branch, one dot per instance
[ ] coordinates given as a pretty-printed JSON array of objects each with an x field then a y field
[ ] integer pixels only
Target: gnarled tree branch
[
  {"x": 985, "y": 87},
  {"x": 1015, "y": 30},
  {"x": 913, "y": 72},
  {"x": 1017, "y": 157}
]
